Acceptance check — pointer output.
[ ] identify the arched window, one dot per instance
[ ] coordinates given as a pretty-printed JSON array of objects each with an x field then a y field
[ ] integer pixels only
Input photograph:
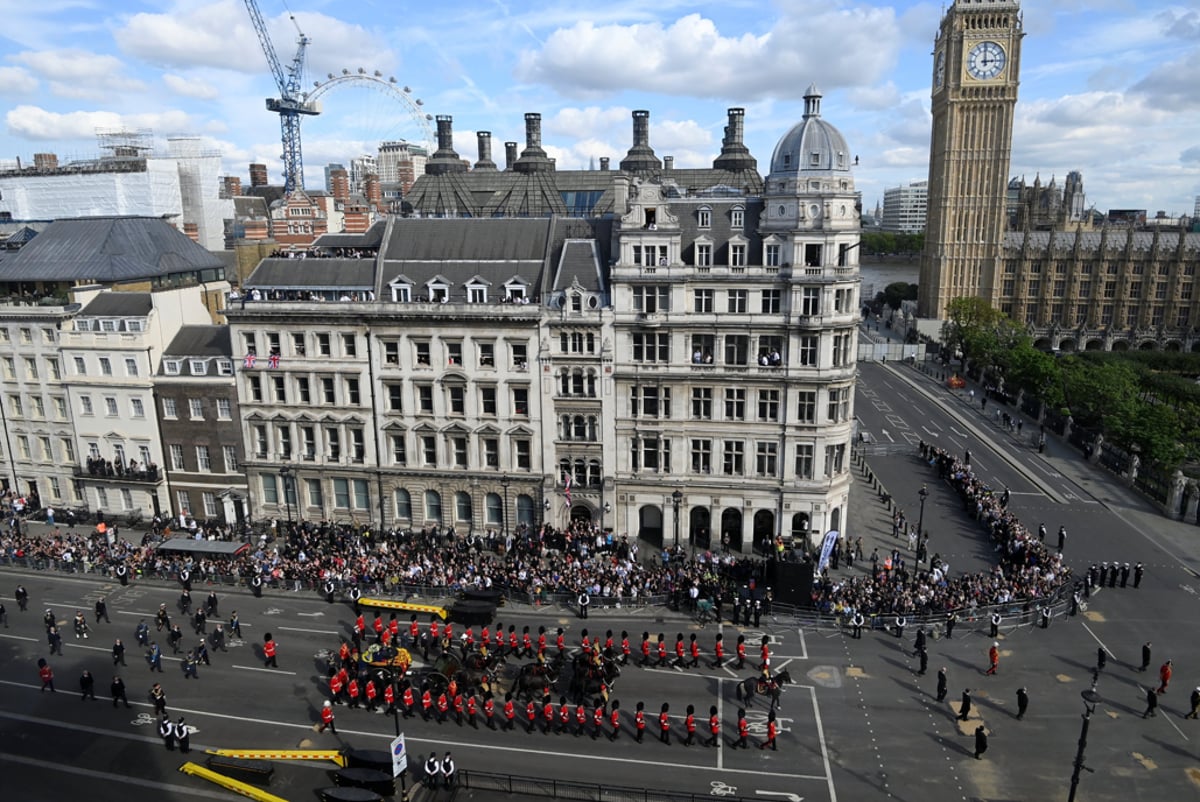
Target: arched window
[
  {"x": 564, "y": 467},
  {"x": 580, "y": 431},
  {"x": 525, "y": 511},
  {"x": 564, "y": 383},
  {"x": 580, "y": 472},
  {"x": 566, "y": 427},
  {"x": 403, "y": 505},
  {"x": 592, "y": 429},
  {"x": 462, "y": 507},
  {"x": 591, "y": 384},
  {"x": 593, "y": 474},
  {"x": 493, "y": 509},
  {"x": 433, "y": 507},
  {"x": 577, "y": 382}
]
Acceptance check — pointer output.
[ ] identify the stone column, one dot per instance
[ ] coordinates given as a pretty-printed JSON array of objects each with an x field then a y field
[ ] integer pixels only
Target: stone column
[{"x": 1193, "y": 501}]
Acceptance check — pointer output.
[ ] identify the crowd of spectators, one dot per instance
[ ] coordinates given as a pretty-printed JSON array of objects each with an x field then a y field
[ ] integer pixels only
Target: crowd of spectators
[
  {"x": 1026, "y": 572},
  {"x": 537, "y": 564}
]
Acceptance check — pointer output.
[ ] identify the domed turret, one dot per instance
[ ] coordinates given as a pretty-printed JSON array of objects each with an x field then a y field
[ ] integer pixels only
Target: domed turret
[{"x": 812, "y": 145}]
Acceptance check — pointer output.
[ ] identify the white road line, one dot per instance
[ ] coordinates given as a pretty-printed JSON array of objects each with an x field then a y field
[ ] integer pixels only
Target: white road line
[
  {"x": 1097, "y": 638},
  {"x": 720, "y": 717},
  {"x": 783, "y": 665},
  {"x": 265, "y": 670},
  {"x": 20, "y": 637},
  {"x": 311, "y": 631},
  {"x": 803, "y": 644},
  {"x": 1167, "y": 716},
  {"x": 472, "y": 745},
  {"x": 821, "y": 740}
]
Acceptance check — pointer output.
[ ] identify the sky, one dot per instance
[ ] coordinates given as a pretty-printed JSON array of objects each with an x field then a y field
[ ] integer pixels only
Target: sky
[{"x": 1108, "y": 87}]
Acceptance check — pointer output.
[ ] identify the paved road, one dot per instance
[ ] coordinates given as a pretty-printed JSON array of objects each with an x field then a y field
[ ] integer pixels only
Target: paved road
[{"x": 860, "y": 724}]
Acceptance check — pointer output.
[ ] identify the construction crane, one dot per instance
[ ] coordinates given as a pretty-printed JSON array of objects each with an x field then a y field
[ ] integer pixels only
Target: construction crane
[{"x": 291, "y": 103}]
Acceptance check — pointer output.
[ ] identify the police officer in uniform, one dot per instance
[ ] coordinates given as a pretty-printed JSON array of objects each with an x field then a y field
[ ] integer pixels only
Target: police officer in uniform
[
  {"x": 166, "y": 731},
  {"x": 183, "y": 735},
  {"x": 118, "y": 652},
  {"x": 22, "y": 597},
  {"x": 1022, "y": 703},
  {"x": 433, "y": 771},
  {"x": 448, "y": 772},
  {"x": 857, "y": 622},
  {"x": 951, "y": 620},
  {"x": 102, "y": 611},
  {"x": 1138, "y": 571},
  {"x": 123, "y": 574},
  {"x": 329, "y": 588},
  {"x": 256, "y": 586},
  {"x": 994, "y": 629},
  {"x": 355, "y": 595},
  {"x": 584, "y": 601},
  {"x": 941, "y": 684}
]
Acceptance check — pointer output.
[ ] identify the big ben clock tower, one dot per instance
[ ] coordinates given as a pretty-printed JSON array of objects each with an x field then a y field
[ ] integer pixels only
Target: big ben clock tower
[{"x": 976, "y": 61}]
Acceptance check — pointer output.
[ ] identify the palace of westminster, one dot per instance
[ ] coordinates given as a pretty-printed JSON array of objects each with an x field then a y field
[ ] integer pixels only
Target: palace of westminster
[{"x": 665, "y": 352}]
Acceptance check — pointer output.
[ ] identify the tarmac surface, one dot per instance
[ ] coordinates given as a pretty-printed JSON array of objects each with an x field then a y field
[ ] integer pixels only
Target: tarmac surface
[{"x": 858, "y": 723}]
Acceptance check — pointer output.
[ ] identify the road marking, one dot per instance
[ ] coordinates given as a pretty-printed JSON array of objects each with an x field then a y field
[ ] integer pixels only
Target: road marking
[
  {"x": 20, "y": 637},
  {"x": 821, "y": 740},
  {"x": 931, "y": 434},
  {"x": 265, "y": 670},
  {"x": 888, "y": 435},
  {"x": 720, "y": 717},
  {"x": 310, "y": 631},
  {"x": 1167, "y": 716},
  {"x": 957, "y": 432},
  {"x": 1094, "y": 635}
]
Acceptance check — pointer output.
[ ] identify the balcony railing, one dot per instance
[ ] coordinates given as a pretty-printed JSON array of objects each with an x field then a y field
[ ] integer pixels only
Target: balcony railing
[{"x": 110, "y": 473}]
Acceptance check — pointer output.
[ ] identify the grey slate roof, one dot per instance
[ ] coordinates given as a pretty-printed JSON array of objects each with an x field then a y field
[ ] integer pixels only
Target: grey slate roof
[
  {"x": 245, "y": 206},
  {"x": 107, "y": 249},
  {"x": 459, "y": 250},
  {"x": 313, "y": 274},
  {"x": 371, "y": 238},
  {"x": 206, "y": 340},
  {"x": 119, "y": 304},
  {"x": 580, "y": 253},
  {"x": 1090, "y": 240}
]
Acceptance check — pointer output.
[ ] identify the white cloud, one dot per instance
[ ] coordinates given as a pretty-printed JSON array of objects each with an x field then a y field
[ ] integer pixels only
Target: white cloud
[
  {"x": 691, "y": 57},
  {"x": 221, "y": 35},
  {"x": 190, "y": 87},
  {"x": 16, "y": 81},
  {"x": 79, "y": 73},
  {"x": 874, "y": 98},
  {"x": 33, "y": 122},
  {"x": 1172, "y": 85}
]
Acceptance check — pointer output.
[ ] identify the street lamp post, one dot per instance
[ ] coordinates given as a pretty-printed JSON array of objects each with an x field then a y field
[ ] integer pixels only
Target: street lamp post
[
  {"x": 1090, "y": 699},
  {"x": 285, "y": 473},
  {"x": 924, "y": 494},
  {"x": 676, "y": 500},
  {"x": 505, "y": 482}
]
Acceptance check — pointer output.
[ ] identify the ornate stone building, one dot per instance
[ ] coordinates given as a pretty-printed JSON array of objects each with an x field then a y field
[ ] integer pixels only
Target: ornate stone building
[{"x": 668, "y": 353}]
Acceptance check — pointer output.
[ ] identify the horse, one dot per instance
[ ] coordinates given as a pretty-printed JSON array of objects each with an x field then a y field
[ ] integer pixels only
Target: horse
[
  {"x": 587, "y": 679},
  {"x": 773, "y": 687},
  {"x": 530, "y": 684}
]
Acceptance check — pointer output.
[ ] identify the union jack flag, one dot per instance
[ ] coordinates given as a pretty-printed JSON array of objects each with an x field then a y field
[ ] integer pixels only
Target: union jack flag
[
  {"x": 273, "y": 361},
  {"x": 567, "y": 488},
  {"x": 249, "y": 361}
]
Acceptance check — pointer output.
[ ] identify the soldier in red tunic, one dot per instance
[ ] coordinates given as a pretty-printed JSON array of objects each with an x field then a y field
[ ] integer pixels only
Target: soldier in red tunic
[
  {"x": 664, "y": 724},
  {"x": 639, "y": 721},
  {"x": 718, "y": 652},
  {"x": 689, "y": 724},
  {"x": 714, "y": 726}
]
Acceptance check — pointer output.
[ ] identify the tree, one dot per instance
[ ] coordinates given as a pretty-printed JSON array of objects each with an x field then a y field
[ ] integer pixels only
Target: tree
[
  {"x": 975, "y": 330},
  {"x": 1034, "y": 371},
  {"x": 897, "y": 292}
]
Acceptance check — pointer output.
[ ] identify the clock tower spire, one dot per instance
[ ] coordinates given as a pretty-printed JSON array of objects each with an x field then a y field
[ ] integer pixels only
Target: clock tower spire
[{"x": 976, "y": 64}]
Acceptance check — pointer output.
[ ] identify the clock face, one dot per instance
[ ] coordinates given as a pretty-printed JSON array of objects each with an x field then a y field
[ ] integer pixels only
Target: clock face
[
  {"x": 939, "y": 72},
  {"x": 986, "y": 60}
]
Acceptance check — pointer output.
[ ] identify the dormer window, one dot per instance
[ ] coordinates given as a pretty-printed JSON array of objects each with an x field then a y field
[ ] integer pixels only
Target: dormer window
[
  {"x": 198, "y": 367},
  {"x": 576, "y": 302},
  {"x": 814, "y": 159},
  {"x": 171, "y": 367},
  {"x": 787, "y": 162},
  {"x": 133, "y": 325},
  {"x": 515, "y": 293},
  {"x": 108, "y": 325},
  {"x": 737, "y": 218},
  {"x": 651, "y": 218},
  {"x": 439, "y": 293},
  {"x": 704, "y": 218},
  {"x": 401, "y": 293},
  {"x": 225, "y": 367}
]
